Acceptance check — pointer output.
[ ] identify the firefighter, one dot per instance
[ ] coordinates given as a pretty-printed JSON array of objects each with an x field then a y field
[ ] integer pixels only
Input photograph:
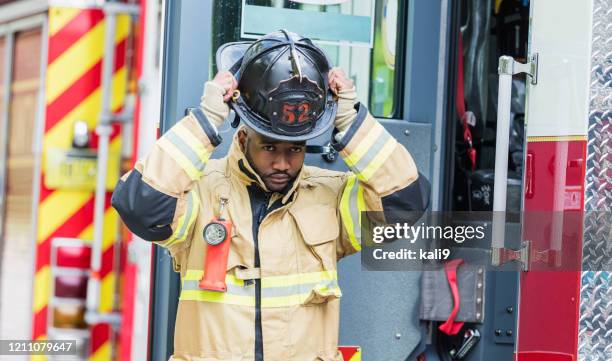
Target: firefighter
[{"x": 288, "y": 224}]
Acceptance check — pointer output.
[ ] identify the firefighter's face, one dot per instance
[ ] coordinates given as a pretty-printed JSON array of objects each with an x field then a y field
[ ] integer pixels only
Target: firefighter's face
[{"x": 276, "y": 162}]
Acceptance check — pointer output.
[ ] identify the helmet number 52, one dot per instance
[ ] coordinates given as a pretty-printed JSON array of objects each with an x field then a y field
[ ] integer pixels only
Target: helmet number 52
[{"x": 296, "y": 113}]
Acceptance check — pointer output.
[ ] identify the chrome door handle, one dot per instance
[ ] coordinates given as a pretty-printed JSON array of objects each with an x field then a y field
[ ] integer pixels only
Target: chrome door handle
[{"x": 507, "y": 68}]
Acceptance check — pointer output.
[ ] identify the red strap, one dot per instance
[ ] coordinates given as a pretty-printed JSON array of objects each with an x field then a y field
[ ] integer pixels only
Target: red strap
[
  {"x": 472, "y": 155},
  {"x": 450, "y": 327},
  {"x": 460, "y": 104}
]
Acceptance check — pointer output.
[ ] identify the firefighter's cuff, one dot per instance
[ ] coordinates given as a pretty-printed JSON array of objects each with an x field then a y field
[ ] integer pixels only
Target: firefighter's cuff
[
  {"x": 212, "y": 103},
  {"x": 346, "y": 112},
  {"x": 341, "y": 137},
  {"x": 209, "y": 127}
]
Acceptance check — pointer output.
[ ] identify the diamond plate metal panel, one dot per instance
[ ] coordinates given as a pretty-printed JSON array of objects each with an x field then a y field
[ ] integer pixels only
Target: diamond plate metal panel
[{"x": 595, "y": 332}]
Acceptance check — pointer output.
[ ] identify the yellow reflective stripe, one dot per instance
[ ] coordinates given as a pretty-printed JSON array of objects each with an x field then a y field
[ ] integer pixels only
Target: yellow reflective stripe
[
  {"x": 217, "y": 297},
  {"x": 196, "y": 275},
  {"x": 186, "y": 149},
  {"x": 361, "y": 207},
  {"x": 325, "y": 284},
  {"x": 362, "y": 148},
  {"x": 181, "y": 225},
  {"x": 185, "y": 221},
  {"x": 378, "y": 161},
  {"x": 266, "y": 302},
  {"x": 196, "y": 145},
  {"x": 297, "y": 279},
  {"x": 180, "y": 158},
  {"x": 347, "y": 215},
  {"x": 272, "y": 281},
  {"x": 370, "y": 153}
]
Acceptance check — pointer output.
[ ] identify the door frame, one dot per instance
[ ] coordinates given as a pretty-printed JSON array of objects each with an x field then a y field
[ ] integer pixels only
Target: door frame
[
  {"x": 188, "y": 66},
  {"x": 8, "y": 31}
]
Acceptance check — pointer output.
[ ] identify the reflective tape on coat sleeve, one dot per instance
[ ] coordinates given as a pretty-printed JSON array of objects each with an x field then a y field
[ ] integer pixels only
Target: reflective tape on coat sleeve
[
  {"x": 351, "y": 205},
  {"x": 370, "y": 153},
  {"x": 186, "y": 150},
  {"x": 185, "y": 221}
]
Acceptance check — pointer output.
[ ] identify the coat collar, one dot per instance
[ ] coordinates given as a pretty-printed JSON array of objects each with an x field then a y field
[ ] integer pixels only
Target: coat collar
[{"x": 239, "y": 168}]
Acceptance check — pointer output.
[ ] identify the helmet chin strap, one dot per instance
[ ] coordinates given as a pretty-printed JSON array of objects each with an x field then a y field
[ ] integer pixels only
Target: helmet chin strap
[
  {"x": 236, "y": 121},
  {"x": 317, "y": 149}
]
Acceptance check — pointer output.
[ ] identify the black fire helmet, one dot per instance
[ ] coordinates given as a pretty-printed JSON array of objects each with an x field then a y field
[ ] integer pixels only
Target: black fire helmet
[{"x": 283, "y": 88}]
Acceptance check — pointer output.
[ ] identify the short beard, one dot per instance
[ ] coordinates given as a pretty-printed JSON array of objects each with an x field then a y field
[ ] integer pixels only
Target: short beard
[{"x": 247, "y": 155}]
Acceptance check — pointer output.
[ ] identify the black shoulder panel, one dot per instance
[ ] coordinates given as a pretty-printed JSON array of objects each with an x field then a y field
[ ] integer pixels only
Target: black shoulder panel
[
  {"x": 146, "y": 212},
  {"x": 409, "y": 202}
]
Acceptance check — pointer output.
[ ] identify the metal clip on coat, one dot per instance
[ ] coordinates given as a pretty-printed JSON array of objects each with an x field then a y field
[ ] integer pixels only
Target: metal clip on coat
[{"x": 217, "y": 234}]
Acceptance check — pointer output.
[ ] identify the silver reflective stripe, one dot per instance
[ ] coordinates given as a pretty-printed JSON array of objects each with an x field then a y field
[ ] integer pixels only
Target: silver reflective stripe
[
  {"x": 372, "y": 152},
  {"x": 354, "y": 208},
  {"x": 185, "y": 149}
]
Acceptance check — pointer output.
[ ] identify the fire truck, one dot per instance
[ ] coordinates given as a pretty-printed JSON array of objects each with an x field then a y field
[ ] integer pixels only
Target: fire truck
[{"x": 505, "y": 105}]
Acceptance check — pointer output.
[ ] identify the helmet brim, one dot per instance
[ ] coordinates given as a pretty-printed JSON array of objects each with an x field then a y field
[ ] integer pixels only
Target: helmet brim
[{"x": 229, "y": 56}]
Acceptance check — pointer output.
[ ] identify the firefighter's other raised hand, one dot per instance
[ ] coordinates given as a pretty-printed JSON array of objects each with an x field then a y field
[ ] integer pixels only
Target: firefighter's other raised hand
[
  {"x": 217, "y": 93},
  {"x": 344, "y": 88}
]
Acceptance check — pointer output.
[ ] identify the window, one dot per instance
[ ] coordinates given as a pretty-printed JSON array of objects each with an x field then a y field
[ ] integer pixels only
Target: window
[{"x": 365, "y": 38}]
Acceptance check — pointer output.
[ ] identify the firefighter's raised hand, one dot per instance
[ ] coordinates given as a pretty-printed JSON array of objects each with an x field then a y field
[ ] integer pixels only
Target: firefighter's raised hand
[
  {"x": 226, "y": 80},
  {"x": 338, "y": 81},
  {"x": 344, "y": 88},
  {"x": 217, "y": 93}
]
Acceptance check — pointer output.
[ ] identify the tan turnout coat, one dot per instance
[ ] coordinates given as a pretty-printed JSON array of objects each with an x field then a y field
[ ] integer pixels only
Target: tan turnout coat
[{"x": 299, "y": 243}]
